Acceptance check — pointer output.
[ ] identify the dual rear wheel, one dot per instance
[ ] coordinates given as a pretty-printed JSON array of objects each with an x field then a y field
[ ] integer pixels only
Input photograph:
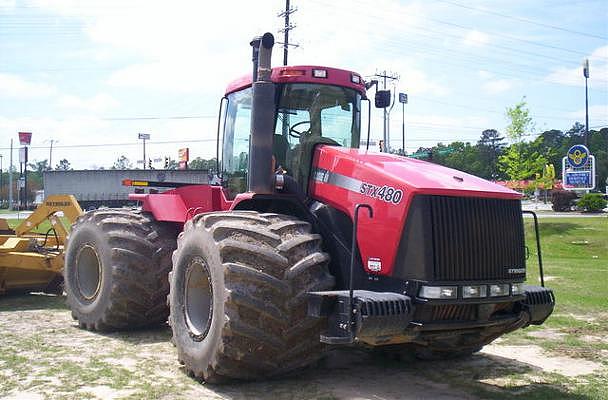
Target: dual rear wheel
[{"x": 237, "y": 290}]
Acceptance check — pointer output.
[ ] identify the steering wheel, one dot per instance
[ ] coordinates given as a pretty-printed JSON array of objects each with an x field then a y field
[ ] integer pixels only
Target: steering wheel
[{"x": 297, "y": 134}]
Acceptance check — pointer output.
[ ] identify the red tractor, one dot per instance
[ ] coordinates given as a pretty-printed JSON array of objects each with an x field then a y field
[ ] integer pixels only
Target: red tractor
[{"x": 273, "y": 265}]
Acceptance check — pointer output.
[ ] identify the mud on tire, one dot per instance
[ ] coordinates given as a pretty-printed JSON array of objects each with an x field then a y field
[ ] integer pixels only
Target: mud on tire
[
  {"x": 238, "y": 295},
  {"x": 116, "y": 269}
]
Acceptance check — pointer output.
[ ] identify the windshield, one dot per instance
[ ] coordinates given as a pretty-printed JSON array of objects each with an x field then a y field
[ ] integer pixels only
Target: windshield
[
  {"x": 307, "y": 111},
  {"x": 309, "y": 114}
]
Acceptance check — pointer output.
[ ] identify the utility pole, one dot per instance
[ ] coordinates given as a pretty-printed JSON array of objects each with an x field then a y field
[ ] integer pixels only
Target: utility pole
[
  {"x": 586, "y": 74},
  {"x": 51, "y": 155},
  {"x": 10, "y": 180},
  {"x": 286, "y": 28},
  {"x": 386, "y": 130}
]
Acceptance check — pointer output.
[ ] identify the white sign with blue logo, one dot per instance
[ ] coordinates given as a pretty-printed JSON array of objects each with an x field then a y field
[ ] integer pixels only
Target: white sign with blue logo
[{"x": 578, "y": 169}]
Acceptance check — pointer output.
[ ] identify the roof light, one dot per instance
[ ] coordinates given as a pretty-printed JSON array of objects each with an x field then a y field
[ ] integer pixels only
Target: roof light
[
  {"x": 319, "y": 73},
  {"x": 354, "y": 78},
  {"x": 289, "y": 72}
]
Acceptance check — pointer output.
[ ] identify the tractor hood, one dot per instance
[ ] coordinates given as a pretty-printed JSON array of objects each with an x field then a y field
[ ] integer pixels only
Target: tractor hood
[
  {"x": 401, "y": 192},
  {"x": 411, "y": 175}
]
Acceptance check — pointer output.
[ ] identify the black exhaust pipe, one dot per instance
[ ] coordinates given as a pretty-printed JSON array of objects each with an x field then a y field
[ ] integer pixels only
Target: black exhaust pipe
[{"x": 261, "y": 176}]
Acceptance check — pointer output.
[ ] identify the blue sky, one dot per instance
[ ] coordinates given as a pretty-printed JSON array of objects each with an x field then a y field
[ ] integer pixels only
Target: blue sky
[{"x": 85, "y": 73}]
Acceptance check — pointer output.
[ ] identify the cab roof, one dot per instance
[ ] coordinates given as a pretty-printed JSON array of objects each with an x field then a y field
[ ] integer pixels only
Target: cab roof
[{"x": 306, "y": 74}]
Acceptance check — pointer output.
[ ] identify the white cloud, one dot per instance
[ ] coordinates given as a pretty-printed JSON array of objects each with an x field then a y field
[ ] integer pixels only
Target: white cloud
[
  {"x": 598, "y": 115},
  {"x": 497, "y": 86},
  {"x": 99, "y": 103},
  {"x": 180, "y": 52},
  {"x": 476, "y": 38},
  {"x": 74, "y": 136},
  {"x": 492, "y": 85},
  {"x": 485, "y": 74},
  {"x": 598, "y": 71},
  {"x": 15, "y": 86}
]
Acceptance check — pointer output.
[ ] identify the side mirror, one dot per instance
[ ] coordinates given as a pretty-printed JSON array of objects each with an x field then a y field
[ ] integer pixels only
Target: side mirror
[{"x": 383, "y": 98}]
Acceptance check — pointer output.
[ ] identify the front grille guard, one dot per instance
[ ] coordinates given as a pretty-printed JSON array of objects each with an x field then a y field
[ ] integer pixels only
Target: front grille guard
[{"x": 537, "y": 236}]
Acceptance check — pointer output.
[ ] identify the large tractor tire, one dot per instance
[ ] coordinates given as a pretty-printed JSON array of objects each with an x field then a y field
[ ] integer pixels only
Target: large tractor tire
[
  {"x": 238, "y": 295},
  {"x": 116, "y": 270}
]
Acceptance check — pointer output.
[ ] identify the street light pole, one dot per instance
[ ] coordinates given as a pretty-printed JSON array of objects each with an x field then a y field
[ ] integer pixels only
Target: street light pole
[
  {"x": 10, "y": 179},
  {"x": 586, "y": 74},
  {"x": 403, "y": 101}
]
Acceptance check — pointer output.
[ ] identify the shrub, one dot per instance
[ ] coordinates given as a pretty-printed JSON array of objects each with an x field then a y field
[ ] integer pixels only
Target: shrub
[
  {"x": 591, "y": 202},
  {"x": 562, "y": 200}
]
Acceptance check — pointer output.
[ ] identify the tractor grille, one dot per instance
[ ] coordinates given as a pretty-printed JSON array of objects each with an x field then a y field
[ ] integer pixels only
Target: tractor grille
[
  {"x": 456, "y": 312},
  {"x": 476, "y": 238},
  {"x": 446, "y": 312}
]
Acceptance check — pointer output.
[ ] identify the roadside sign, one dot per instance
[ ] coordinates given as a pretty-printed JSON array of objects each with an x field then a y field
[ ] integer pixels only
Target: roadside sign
[
  {"x": 578, "y": 155},
  {"x": 183, "y": 154},
  {"x": 578, "y": 169},
  {"x": 144, "y": 136},
  {"x": 25, "y": 138},
  {"x": 23, "y": 155},
  {"x": 403, "y": 98}
]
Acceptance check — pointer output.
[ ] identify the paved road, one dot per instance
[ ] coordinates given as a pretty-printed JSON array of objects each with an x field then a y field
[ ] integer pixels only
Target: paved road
[
  {"x": 16, "y": 215},
  {"x": 544, "y": 214}
]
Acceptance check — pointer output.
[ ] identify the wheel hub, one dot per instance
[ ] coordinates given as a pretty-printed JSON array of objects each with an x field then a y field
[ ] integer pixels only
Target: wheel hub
[
  {"x": 198, "y": 298},
  {"x": 88, "y": 272}
]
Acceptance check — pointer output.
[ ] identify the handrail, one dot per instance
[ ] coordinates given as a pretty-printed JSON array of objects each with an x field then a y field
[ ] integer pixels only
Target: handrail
[{"x": 540, "y": 257}]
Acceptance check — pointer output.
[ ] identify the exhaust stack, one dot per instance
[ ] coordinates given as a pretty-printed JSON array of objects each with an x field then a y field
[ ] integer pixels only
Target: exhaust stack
[{"x": 260, "y": 176}]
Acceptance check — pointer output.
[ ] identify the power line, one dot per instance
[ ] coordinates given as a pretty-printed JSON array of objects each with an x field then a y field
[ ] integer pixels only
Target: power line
[
  {"x": 159, "y": 118},
  {"x": 91, "y": 145},
  {"x": 520, "y": 19}
]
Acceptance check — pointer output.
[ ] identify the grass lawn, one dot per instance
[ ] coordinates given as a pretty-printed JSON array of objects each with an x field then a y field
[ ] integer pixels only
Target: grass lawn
[{"x": 575, "y": 260}]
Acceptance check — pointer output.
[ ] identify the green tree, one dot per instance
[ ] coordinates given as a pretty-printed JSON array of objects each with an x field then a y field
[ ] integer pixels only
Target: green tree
[
  {"x": 122, "y": 163},
  {"x": 521, "y": 162},
  {"x": 39, "y": 166},
  {"x": 520, "y": 121},
  {"x": 490, "y": 146},
  {"x": 201, "y": 163},
  {"x": 64, "y": 165}
]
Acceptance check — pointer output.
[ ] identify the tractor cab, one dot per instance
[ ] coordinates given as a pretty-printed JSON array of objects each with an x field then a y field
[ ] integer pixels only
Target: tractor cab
[{"x": 313, "y": 105}]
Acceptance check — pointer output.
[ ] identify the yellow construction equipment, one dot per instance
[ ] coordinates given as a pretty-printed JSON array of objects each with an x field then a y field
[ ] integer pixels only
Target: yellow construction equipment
[{"x": 33, "y": 261}]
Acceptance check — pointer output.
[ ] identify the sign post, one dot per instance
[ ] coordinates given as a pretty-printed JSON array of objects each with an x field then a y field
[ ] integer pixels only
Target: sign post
[
  {"x": 403, "y": 101},
  {"x": 25, "y": 139},
  {"x": 183, "y": 157},
  {"x": 578, "y": 169},
  {"x": 144, "y": 137}
]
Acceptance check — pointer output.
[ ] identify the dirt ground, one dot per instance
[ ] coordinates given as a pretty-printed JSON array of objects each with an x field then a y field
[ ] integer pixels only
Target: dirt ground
[{"x": 43, "y": 355}]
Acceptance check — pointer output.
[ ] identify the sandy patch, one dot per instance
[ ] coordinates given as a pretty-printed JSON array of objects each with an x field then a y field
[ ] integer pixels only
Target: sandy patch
[
  {"x": 536, "y": 357},
  {"x": 552, "y": 334},
  {"x": 106, "y": 392}
]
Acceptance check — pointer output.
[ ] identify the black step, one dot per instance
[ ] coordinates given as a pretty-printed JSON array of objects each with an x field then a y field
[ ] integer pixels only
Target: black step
[{"x": 375, "y": 314}]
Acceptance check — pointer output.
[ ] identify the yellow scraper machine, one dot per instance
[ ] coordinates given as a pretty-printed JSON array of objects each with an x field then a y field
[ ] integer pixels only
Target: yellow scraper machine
[{"x": 31, "y": 255}]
